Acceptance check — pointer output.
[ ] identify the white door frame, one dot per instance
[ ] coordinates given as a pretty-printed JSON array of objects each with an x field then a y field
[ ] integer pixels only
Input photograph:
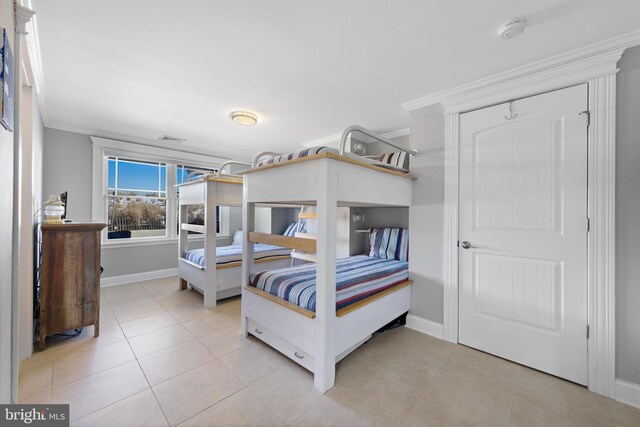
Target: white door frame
[{"x": 598, "y": 68}]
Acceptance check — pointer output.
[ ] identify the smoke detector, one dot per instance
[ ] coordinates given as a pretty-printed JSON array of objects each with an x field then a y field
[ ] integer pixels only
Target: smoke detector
[
  {"x": 511, "y": 29},
  {"x": 167, "y": 138}
]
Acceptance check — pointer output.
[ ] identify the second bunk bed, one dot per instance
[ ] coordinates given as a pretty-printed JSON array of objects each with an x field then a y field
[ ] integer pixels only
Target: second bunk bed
[
  {"x": 195, "y": 265},
  {"x": 316, "y": 314}
]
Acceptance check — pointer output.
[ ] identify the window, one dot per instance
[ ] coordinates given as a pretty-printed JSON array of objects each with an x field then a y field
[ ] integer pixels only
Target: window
[
  {"x": 195, "y": 212},
  {"x": 136, "y": 199},
  {"x": 135, "y": 193}
]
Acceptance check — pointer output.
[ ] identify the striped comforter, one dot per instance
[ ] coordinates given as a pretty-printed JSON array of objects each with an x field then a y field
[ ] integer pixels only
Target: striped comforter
[
  {"x": 357, "y": 277},
  {"x": 233, "y": 253}
]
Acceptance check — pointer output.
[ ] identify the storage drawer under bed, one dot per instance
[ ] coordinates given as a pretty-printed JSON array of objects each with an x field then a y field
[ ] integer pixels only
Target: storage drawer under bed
[{"x": 263, "y": 334}]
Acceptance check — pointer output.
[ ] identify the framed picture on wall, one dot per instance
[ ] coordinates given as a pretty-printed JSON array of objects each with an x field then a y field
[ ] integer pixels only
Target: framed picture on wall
[{"x": 6, "y": 83}]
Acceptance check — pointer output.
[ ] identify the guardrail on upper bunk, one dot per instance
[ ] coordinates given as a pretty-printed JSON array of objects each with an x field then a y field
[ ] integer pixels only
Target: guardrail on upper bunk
[
  {"x": 355, "y": 128},
  {"x": 260, "y": 155},
  {"x": 229, "y": 163}
]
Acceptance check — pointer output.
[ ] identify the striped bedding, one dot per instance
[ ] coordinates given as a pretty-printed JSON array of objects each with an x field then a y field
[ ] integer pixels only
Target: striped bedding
[
  {"x": 233, "y": 253},
  {"x": 388, "y": 163},
  {"x": 357, "y": 277}
]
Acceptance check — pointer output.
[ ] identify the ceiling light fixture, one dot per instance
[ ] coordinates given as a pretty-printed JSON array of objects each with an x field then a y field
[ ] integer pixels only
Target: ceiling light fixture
[
  {"x": 511, "y": 29},
  {"x": 244, "y": 118}
]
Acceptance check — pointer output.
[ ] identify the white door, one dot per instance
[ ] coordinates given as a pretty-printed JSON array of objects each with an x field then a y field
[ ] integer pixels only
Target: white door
[{"x": 523, "y": 241}]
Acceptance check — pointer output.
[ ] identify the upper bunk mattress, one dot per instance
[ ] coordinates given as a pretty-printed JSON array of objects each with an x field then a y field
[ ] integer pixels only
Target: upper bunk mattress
[
  {"x": 357, "y": 277},
  {"x": 398, "y": 161},
  {"x": 233, "y": 253}
]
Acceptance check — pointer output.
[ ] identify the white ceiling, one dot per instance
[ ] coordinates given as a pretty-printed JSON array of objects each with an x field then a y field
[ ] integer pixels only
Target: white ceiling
[{"x": 141, "y": 69}]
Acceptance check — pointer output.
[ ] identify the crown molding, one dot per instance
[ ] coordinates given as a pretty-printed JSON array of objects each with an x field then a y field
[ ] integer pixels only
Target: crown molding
[
  {"x": 334, "y": 140},
  {"x": 594, "y": 60}
]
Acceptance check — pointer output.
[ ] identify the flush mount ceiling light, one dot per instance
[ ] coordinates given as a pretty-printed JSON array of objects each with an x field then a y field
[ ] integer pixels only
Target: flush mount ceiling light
[
  {"x": 511, "y": 29},
  {"x": 244, "y": 118}
]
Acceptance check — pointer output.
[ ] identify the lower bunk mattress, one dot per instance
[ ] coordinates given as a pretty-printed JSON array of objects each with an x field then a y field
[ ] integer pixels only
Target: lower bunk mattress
[
  {"x": 233, "y": 254},
  {"x": 357, "y": 277}
]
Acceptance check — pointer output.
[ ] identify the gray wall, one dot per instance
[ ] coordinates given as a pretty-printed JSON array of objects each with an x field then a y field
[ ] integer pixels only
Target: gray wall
[
  {"x": 627, "y": 218},
  {"x": 6, "y": 216},
  {"x": 426, "y": 215},
  {"x": 67, "y": 167}
]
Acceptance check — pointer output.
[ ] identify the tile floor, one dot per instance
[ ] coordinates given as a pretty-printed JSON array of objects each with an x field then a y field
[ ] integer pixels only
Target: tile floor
[{"x": 162, "y": 359}]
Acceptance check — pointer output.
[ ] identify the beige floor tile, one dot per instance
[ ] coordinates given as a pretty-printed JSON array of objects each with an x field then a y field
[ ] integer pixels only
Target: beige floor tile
[
  {"x": 173, "y": 361},
  {"x": 133, "y": 312},
  {"x": 240, "y": 409},
  {"x": 152, "y": 342},
  {"x": 540, "y": 391},
  {"x": 161, "y": 288},
  {"x": 230, "y": 307},
  {"x": 437, "y": 407},
  {"x": 100, "y": 390},
  {"x": 107, "y": 318},
  {"x": 188, "y": 394},
  {"x": 331, "y": 413},
  {"x": 224, "y": 342},
  {"x": 210, "y": 323},
  {"x": 390, "y": 392},
  {"x": 533, "y": 412},
  {"x": 84, "y": 363},
  {"x": 128, "y": 301},
  {"x": 482, "y": 390},
  {"x": 288, "y": 391},
  {"x": 40, "y": 396},
  {"x": 183, "y": 298},
  {"x": 147, "y": 324},
  {"x": 127, "y": 294},
  {"x": 139, "y": 410},
  {"x": 624, "y": 415},
  {"x": 252, "y": 362},
  {"x": 59, "y": 347},
  {"x": 188, "y": 308},
  {"x": 36, "y": 374}
]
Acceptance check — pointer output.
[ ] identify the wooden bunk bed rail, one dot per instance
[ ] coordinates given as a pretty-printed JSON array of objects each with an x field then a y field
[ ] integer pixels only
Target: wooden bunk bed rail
[
  {"x": 299, "y": 243},
  {"x": 334, "y": 156}
]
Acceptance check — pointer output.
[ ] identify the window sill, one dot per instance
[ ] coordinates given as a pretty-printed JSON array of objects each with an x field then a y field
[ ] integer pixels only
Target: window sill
[{"x": 130, "y": 243}]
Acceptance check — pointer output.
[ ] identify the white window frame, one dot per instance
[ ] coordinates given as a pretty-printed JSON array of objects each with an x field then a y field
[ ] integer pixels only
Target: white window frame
[{"x": 104, "y": 148}]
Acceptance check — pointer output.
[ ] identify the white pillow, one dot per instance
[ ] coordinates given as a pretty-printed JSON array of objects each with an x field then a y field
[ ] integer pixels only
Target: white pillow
[{"x": 237, "y": 238}]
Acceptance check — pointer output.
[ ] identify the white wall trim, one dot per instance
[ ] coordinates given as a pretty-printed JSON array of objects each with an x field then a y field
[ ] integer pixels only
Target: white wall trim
[
  {"x": 586, "y": 62},
  {"x": 425, "y": 326},
  {"x": 628, "y": 393},
  {"x": 334, "y": 140},
  {"x": 599, "y": 71},
  {"x": 194, "y": 159},
  {"x": 138, "y": 277}
]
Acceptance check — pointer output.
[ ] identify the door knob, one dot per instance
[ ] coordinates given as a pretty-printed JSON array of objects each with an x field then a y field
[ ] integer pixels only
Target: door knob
[{"x": 467, "y": 245}]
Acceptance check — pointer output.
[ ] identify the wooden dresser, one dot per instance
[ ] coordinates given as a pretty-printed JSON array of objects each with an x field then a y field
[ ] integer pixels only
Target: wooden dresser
[{"x": 69, "y": 278}]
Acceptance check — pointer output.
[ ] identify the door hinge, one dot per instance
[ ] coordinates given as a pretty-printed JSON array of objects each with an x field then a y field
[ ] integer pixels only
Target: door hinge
[
  {"x": 587, "y": 331},
  {"x": 588, "y": 224},
  {"x": 587, "y": 115},
  {"x": 458, "y": 243}
]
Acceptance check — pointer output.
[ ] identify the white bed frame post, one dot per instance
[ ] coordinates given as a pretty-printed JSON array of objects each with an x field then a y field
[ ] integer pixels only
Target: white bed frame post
[
  {"x": 182, "y": 241},
  {"x": 248, "y": 224},
  {"x": 325, "y": 348},
  {"x": 210, "y": 270}
]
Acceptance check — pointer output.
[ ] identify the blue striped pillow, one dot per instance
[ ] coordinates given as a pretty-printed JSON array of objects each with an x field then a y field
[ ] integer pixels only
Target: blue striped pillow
[
  {"x": 291, "y": 229},
  {"x": 389, "y": 243}
]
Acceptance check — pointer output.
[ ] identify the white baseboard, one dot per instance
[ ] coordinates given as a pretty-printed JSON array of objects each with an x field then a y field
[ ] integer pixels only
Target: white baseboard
[
  {"x": 425, "y": 326},
  {"x": 628, "y": 393},
  {"x": 137, "y": 277}
]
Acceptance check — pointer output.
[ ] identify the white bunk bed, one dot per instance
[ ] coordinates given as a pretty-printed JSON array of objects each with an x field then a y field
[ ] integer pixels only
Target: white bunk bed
[
  {"x": 318, "y": 340},
  {"x": 225, "y": 279}
]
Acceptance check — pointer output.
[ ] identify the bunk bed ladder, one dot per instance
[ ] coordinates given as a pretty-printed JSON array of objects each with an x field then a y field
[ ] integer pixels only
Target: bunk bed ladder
[{"x": 303, "y": 216}]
